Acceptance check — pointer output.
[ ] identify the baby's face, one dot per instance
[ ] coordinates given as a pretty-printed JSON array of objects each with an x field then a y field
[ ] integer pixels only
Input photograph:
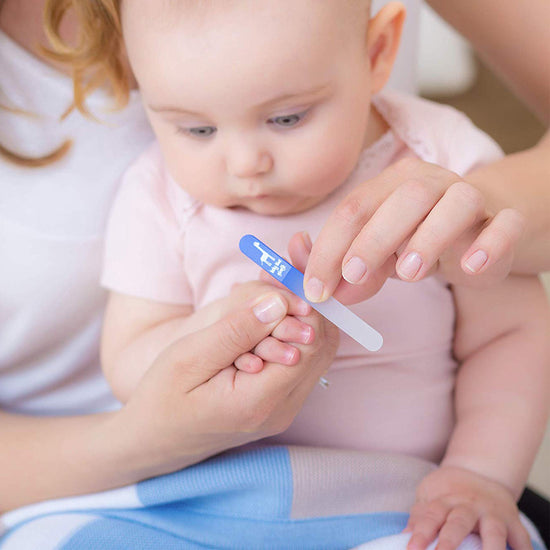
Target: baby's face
[{"x": 261, "y": 104}]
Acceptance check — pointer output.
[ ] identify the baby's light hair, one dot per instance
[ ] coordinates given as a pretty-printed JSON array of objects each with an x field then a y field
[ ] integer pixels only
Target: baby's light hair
[{"x": 97, "y": 59}]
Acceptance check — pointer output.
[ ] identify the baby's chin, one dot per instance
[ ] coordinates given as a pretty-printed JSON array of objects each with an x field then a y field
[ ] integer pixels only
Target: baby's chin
[{"x": 279, "y": 206}]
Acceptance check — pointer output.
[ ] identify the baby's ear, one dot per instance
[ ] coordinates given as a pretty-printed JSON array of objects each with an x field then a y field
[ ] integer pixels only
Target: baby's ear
[{"x": 383, "y": 37}]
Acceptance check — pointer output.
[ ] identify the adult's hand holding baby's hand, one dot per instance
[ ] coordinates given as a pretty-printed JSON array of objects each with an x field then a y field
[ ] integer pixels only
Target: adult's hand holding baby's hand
[
  {"x": 193, "y": 402},
  {"x": 279, "y": 346},
  {"x": 453, "y": 502},
  {"x": 411, "y": 219}
]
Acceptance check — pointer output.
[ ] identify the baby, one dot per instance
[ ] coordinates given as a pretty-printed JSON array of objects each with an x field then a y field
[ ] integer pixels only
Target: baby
[{"x": 267, "y": 113}]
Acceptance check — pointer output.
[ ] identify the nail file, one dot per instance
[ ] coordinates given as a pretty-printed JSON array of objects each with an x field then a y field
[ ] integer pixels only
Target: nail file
[{"x": 293, "y": 279}]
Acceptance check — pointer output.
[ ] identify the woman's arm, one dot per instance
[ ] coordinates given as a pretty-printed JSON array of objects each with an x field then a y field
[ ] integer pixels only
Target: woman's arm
[
  {"x": 158, "y": 430},
  {"x": 512, "y": 37},
  {"x": 522, "y": 181}
]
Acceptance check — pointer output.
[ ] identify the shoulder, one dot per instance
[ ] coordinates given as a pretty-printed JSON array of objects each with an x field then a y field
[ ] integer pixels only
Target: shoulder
[
  {"x": 437, "y": 133},
  {"x": 148, "y": 187}
]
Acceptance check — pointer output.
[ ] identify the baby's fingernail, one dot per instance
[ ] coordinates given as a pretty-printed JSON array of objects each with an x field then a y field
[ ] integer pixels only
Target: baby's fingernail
[
  {"x": 307, "y": 335},
  {"x": 314, "y": 289},
  {"x": 354, "y": 270},
  {"x": 303, "y": 308},
  {"x": 292, "y": 356},
  {"x": 410, "y": 266},
  {"x": 270, "y": 309},
  {"x": 476, "y": 261}
]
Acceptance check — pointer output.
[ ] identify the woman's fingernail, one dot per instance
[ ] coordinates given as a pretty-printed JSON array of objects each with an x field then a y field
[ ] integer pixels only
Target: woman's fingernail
[
  {"x": 354, "y": 270},
  {"x": 410, "y": 266},
  {"x": 476, "y": 261},
  {"x": 314, "y": 289},
  {"x": 307, "y": 240},
  {"x": 270, "y": 309}
]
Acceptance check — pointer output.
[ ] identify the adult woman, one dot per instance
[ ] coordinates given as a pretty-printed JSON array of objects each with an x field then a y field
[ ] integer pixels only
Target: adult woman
[{"x": 104, "y": 443}]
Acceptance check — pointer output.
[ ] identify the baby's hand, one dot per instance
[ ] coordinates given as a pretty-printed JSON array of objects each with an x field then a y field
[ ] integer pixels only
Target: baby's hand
[
  {"x": 276, "y": 348},
  {"x": 453, "y": 502}
]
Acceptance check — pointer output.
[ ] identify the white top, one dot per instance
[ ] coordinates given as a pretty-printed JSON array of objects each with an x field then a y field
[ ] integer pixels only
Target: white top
[
  {"x": 51, "y": 237},
  {"x": 51, "y": 230}
]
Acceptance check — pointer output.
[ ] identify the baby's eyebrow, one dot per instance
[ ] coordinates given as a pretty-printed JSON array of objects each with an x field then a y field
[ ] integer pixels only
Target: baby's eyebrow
[
  {"x": 302, "y": 94},
  {"x": 295, "y": 95},
  {"x": 173, "y": 109}
]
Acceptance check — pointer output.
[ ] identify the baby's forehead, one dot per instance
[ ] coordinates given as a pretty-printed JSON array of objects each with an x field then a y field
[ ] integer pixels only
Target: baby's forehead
[{"x": 343, "y": 13}]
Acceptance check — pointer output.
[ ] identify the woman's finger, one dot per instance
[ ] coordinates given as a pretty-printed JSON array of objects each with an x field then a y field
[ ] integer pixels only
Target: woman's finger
[
  {"x": 392, "y": 224},
  {"x": 461, "y": 207},
  {"x": 495, "y": 244},
  {"x": 234, "y": 334},
  {"x": 324, "y": 268}
]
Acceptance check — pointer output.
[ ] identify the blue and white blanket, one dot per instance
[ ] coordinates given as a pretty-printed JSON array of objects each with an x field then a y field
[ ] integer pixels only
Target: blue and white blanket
[{"x": 258, "y": 498}]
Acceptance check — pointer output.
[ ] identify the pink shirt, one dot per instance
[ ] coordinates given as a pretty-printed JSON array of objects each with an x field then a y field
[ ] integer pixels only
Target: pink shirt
[{"x": 164, "y": 245}]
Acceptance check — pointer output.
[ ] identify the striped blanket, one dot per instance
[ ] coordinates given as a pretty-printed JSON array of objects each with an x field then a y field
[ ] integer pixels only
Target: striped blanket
[{"x": 262, "y": 497}]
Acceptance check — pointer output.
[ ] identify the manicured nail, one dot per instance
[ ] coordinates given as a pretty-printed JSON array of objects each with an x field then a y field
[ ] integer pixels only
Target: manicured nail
[
  {"x": 410, "y": 266},
  {"x": 270, "y": 309},
  {"x": 476, "y": 261},
  {"x": 354, "y": 270},
  {"x": 314, "y": 290}
]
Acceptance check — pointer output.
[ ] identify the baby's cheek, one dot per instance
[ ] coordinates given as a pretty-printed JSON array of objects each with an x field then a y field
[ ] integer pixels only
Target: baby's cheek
[{"x": 328, "y": 170}]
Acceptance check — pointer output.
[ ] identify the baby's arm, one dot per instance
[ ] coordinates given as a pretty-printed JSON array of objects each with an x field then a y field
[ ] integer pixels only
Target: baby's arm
[
  {"x": 137, "y": 330},
  {"x": 501, "y": 402}
]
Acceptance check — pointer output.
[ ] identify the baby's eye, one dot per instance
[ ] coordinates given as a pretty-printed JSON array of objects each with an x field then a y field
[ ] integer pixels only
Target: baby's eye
[
  {"x": 287, "y": 121},
  {"x": 199, "y": 131}
]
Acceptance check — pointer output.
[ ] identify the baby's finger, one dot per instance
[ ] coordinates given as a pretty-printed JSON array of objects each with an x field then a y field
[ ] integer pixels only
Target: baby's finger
[
  {"x": 493, "y": 533},
  {"x": 248, "y": 362},
  {"x": 425, "y": 522},
  {"x": 272, "y": 350},
  {"x": 292, "y": 330},
  {"x": 296, "y": 306},
  {"x": 459, "y": 524},
  {"x": 460, "y": 208},
  {"x": 495, "y": 244},
  {"x": 299, "y": 248},
  {"x": 518, "y": 537}
]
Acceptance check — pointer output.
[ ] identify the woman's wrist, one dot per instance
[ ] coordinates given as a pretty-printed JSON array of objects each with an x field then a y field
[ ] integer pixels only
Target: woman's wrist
[{"x": 520, "y": 181}]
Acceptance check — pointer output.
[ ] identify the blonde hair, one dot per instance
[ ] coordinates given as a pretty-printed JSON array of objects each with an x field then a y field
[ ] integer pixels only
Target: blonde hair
[
  {"x": 96, "y": 61},
  {"x": 97, "y": 58}
]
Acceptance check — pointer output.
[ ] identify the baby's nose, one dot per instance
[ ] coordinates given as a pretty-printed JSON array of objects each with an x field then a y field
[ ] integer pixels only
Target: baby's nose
[{"x": 247, "y": 160}]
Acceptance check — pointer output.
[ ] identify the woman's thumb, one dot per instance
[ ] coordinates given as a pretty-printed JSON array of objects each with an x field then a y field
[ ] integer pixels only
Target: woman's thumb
[{"x": 212, "y": 349}]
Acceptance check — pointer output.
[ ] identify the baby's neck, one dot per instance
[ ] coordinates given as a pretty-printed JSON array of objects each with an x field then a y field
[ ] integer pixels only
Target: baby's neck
[{"x": 376, "y": 127}]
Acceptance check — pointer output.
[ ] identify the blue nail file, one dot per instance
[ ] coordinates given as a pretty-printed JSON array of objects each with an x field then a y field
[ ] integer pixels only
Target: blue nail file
[{"x": 293, "y": 279}]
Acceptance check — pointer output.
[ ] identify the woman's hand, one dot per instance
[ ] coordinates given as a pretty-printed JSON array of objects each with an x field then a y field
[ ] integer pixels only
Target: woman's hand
[
  {"x": 453, "y": 502},
  {"x": 278, "y": 346},
  {"x": 412, "y": 219},
  {"x": 193, "y": 402}
]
